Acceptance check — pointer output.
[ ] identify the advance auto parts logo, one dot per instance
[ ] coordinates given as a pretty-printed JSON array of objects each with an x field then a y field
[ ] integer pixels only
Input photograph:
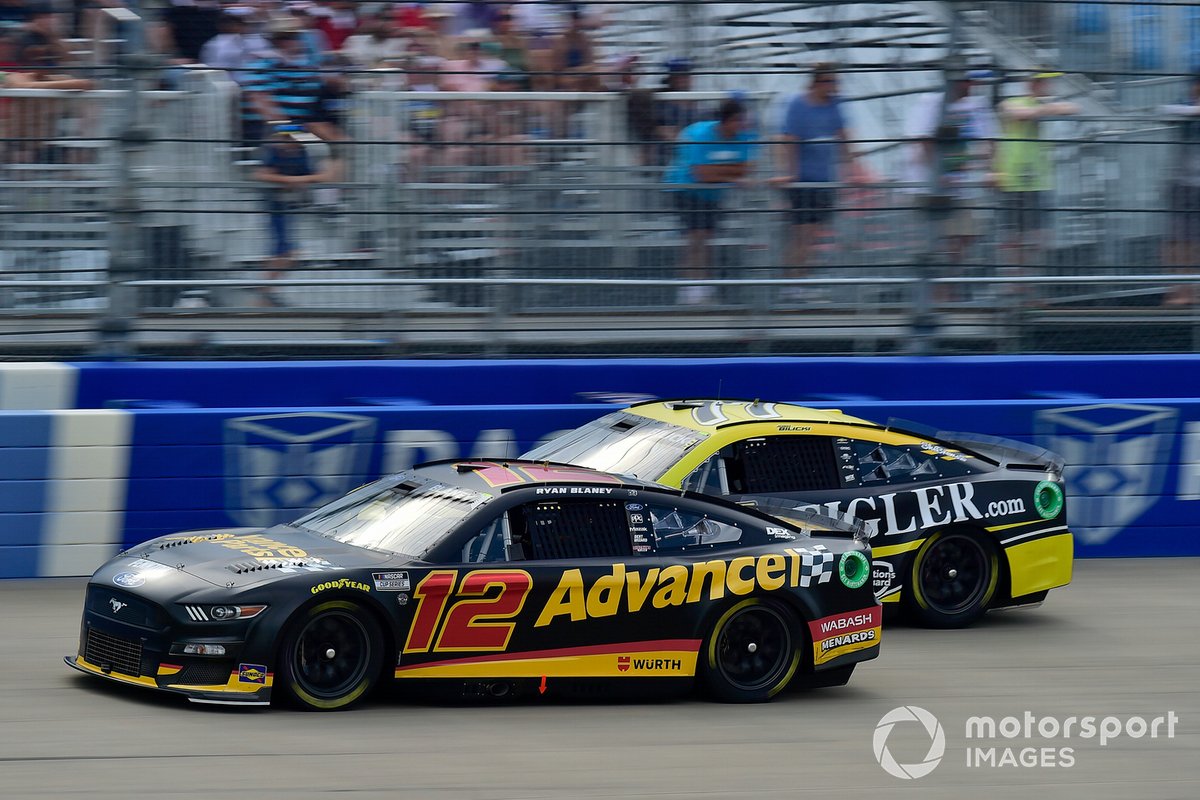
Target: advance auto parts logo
[{"x": 932, "y": 729}]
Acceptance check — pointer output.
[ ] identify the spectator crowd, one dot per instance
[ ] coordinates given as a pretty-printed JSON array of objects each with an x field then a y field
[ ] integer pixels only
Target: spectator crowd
[{"x": 299, "y": 62}]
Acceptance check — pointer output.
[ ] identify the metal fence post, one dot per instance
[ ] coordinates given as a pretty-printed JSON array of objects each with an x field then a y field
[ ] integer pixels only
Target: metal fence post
[{"x": 126, "y": 248}]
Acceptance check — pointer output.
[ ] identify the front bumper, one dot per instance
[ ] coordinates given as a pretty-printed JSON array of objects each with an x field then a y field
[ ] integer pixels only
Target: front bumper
[{"x": 237, "y": 690}]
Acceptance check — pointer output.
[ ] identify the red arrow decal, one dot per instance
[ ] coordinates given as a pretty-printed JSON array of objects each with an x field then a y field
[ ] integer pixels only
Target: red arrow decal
[{"x": 542, "y": 688}]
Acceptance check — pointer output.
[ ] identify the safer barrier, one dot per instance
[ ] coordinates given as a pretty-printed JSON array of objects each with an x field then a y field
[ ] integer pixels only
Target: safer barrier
[{"x": 167, "y": 447}]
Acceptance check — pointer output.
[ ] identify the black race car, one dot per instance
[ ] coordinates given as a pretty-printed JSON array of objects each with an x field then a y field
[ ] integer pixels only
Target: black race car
[
  {"x": 960, "y": 522},
  {"x": 489, "y": 579}
]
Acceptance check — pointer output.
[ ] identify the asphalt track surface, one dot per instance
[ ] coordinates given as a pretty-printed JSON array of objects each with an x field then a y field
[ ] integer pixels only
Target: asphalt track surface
[{"x": 1121, "y": 641}]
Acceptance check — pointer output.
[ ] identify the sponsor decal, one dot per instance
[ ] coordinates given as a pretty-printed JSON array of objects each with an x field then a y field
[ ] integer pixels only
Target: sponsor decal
[
  {"x": 679, "y": 584},
  {"x": 897, "y": 513},
  {"x": 780, "y": 533},
  {"x": 402, "y": 599},
  {"x": 279, "y": 464},
  {"x": 795, "y": 428},
  {"x": 390, "y": 581},
  {"x": 1048, "y": 499},
  {"x": 129, "y": 580},
  {"x": 1117, "y": 455},
  {"x": 116, "y": 604},
  {"x": 252, "y": 673},
  {"x": 839, "y": 634},
  {"x": 623, "y": 663},
  {"x": 340, "y": 583},
  {"x": 854, "y": 569},
  {"x": 883, "y": 575},
  {"x": 261, "y": 547},
  {"x": 942, "y": 452}
]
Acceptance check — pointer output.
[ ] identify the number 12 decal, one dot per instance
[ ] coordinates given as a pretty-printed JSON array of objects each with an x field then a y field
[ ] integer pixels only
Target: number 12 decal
[{"x": 476, "y": 621}]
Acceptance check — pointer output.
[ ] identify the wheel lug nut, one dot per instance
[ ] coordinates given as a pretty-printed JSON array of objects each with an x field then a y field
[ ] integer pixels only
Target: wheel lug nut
[
  {"x": 752, "y": 647},
  {"x": 330, "y": 653}
]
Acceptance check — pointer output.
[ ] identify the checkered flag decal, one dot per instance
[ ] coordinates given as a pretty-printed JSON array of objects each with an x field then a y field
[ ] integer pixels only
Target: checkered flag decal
[{"x": 816, "y": 565}]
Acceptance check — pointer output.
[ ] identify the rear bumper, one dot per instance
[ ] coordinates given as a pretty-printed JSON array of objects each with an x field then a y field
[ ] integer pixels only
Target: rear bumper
[
  {"x": 1041, "y": 564},
  {"x": 236, "y": 691}
]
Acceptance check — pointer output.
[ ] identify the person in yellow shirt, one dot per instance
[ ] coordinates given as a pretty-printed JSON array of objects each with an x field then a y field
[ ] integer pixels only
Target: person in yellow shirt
[{"x": 1023, "y": 167}]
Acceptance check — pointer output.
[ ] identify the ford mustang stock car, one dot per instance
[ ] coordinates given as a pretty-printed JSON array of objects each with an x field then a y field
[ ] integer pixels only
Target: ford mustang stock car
[
  {"x": 959, "y": 522},
  {"x": 488, "y": 580}
]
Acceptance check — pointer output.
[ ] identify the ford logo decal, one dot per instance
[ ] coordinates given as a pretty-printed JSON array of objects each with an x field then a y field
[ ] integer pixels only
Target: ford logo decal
[{"x": 128, "y": 579}]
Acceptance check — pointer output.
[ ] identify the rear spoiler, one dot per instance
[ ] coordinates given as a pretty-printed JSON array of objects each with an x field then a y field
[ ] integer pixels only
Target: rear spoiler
[
  {"x": 997, "y": 449},
  {"x": 1007, "y": 452}
]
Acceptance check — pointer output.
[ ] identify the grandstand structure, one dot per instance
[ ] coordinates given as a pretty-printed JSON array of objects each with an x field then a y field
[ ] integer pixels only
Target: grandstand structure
[{"x": 553, "y": 235}]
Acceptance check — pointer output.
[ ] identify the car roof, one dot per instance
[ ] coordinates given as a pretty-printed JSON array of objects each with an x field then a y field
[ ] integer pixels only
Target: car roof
[
  {"x": 493, "y": 476},
  {"x": 710, "y": 414}
]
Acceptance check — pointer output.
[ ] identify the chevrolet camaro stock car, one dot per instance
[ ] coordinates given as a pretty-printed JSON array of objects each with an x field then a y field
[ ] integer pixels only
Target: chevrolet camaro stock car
[
  {"x": 487, "y": 580},
  {"x": 959, "y": 523}
]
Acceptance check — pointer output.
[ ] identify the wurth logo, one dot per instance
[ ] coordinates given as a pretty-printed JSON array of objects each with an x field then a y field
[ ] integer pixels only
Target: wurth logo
[{"x": 626, "y": 663}]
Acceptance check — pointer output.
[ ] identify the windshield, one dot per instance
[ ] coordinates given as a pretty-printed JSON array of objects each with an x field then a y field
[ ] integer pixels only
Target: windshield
[
  {"x": 397, "y": 514},
  {"x": 624, "y": 443}
]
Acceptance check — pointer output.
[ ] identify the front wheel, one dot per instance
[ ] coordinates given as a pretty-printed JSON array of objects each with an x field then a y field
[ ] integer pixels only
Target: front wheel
[
  {"x": 953, "y": 580},
  {"x": 751, "y": 653},
  {"x": 331, "y": 656}
]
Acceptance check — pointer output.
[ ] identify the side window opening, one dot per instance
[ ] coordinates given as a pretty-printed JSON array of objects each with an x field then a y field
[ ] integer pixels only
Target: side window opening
[
  {"x": 575, "y": 529},
  {"x": 493, "y": 543},
  {"x": 884, "y": 463},
  {"x": 674, "y": 530},
  {"x": 782, "y": 464},
  {"x": 709, "y": 478}
]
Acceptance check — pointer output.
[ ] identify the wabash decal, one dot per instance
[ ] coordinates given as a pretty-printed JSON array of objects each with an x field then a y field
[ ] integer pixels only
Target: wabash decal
[{"x": 839, "y": 634}]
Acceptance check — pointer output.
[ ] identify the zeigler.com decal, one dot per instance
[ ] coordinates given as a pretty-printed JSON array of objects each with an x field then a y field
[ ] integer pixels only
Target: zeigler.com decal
[{"x": 1023, "y": 740}]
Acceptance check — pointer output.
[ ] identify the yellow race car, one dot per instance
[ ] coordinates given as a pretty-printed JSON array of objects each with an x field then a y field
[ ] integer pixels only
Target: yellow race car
[{"x": 959, "y": 523}]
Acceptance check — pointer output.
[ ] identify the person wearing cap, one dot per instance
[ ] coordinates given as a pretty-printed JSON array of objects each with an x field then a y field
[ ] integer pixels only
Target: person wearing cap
[
  {"x": 709, "y": 157},
  {"x": 954, "y": 133},
  {"x": 1182, "y": 250},
  {"x": 1023, "y": 167},
  {"x": 815, "y": 151}
]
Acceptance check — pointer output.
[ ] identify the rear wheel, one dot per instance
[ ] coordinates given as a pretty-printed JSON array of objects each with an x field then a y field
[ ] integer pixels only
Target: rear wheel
[
  {"x": 751, "y": 653},
  {"x": 331, "y": 656},
  {"x": 953, "y": 580}
]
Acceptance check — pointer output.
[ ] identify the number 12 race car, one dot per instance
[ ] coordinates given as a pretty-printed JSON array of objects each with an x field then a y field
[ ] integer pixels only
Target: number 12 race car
[
  {"x": 488, "y": 580},
  {"x": 960, "y": 522}
]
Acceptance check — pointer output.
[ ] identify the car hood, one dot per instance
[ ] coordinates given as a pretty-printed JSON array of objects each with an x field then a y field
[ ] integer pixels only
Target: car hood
[{"x": 244, "y": 556}]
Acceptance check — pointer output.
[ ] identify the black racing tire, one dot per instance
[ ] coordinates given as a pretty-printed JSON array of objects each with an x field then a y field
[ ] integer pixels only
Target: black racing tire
[
  {"x": 751, "y": 652},
  {"x": 952, "y": 580},
  {"x": 331, "y": 656}
]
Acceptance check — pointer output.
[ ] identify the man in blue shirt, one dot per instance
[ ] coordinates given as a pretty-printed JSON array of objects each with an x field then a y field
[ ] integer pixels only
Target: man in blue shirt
[
  {"x": 716, "y": 152},
  {"x": 814, "y": 142}
]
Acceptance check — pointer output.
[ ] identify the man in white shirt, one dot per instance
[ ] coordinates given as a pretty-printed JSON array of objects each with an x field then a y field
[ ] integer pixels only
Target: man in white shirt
[{"x": 234, "y": 48}]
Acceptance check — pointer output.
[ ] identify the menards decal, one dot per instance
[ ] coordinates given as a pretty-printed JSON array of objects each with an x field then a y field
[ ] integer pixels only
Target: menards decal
[
  {"x": 926, "y": 507},
  {"x": 679, "y": 584},
  {"x": 839, "y": 634}
]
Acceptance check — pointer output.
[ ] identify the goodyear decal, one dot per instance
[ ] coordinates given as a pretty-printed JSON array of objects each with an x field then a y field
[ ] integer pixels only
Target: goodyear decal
[
  {"x": 680, "y": 584},
  {"x": 340, "y": 583},
  {"x": 839, "y": 634}
]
